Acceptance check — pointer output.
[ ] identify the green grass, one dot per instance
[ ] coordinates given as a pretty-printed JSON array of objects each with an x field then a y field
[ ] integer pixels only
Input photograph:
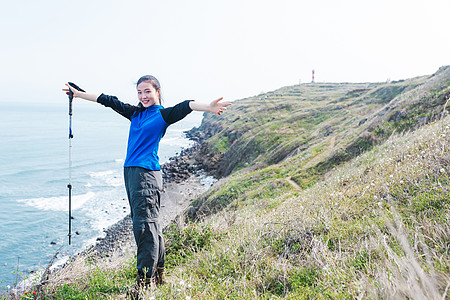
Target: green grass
[
  {"x": 182, "y": 243},
  {"x": 97, "y": 284},
  {"x": 336, "y": 239}
]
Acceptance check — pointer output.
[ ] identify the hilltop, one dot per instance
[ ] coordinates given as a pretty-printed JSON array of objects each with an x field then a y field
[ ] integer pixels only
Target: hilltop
[
  {"x": 307, "y": 130},
  {"x": 325, "y": 190}
]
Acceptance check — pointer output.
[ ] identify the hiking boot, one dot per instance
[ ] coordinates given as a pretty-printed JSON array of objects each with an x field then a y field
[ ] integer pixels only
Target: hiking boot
[
  {"x": 160, "y": 276},
  {"x": 142, "y": 283},
  {"x": 134, "y": 293}
]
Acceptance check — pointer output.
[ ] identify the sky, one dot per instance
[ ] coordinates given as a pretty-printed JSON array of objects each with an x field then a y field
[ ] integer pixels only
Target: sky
[{"x": 206, "y": 49}]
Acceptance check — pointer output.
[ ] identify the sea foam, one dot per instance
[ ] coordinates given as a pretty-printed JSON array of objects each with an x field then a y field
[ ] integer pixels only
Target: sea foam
[
  {"x": 110, "y": 178},
  {"x": 60, "y": 203}
]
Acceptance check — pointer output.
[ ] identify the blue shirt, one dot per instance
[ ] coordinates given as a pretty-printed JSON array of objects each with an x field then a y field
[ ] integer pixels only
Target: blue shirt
[
  {"x": 148, "y": 126},
  {"x": 146, "y": 131}
]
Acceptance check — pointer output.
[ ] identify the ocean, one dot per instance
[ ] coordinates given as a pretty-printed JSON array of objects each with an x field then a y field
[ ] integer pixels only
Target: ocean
[{"x": 34, "y": 174}]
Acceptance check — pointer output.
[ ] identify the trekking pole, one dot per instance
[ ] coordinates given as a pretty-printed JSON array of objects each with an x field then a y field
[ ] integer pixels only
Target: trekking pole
[{"x": 70, "y": 156}]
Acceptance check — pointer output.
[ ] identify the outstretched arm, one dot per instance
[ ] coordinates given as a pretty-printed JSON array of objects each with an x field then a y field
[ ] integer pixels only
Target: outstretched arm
[
  {"x": 80, "y": 94},
  {"x": 215, "y": 107}
]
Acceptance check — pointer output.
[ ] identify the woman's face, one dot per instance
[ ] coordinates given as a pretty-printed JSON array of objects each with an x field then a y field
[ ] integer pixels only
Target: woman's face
[{"x": 147, "y": 94}]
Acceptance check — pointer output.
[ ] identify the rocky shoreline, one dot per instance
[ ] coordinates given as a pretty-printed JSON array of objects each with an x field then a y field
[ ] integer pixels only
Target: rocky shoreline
[
  {"x": 176, "y": 198},
  {"x": 182, "y": 176}
]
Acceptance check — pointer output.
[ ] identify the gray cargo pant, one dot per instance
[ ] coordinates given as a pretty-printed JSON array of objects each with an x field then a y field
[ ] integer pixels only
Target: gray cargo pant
[{"x": 144, "y": 194}]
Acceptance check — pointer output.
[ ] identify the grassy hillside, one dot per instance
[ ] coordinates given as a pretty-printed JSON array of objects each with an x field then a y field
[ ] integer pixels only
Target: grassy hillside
[
  {"x": 376, "y": 226},
  {"x": 327, "y": 190},
  {"x": 305, "y": 131},
  {"x": 332, "y": 190}
]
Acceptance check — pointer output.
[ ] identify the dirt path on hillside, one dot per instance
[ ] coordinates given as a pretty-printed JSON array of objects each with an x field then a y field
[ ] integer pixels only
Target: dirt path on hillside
[
  {"x": 319, "y": 156},
  {"x": 293, "y": 183},
  {"x": 312, "y": 162}
]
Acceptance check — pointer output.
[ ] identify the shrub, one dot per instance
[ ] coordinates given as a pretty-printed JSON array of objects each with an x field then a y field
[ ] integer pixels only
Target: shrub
[{"x": 181, "y": 243}]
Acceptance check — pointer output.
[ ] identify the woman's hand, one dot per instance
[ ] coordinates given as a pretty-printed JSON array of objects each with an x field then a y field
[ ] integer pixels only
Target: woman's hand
[
  {"x": 80, "y": 94},
  {"x": 217, "y": 107},
  {"x": 74, "y": 91}
]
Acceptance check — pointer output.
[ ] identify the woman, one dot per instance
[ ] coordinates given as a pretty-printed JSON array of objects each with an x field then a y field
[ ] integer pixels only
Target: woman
[{"x": 142, "y": 172}]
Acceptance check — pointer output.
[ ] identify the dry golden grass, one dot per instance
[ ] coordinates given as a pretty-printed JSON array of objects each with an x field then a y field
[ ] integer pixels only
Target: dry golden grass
[{"x": 350, "y": 235}]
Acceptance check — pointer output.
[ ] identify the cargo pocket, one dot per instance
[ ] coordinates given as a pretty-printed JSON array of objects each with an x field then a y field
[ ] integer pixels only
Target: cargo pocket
[{"x": 152, "y": 203}]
